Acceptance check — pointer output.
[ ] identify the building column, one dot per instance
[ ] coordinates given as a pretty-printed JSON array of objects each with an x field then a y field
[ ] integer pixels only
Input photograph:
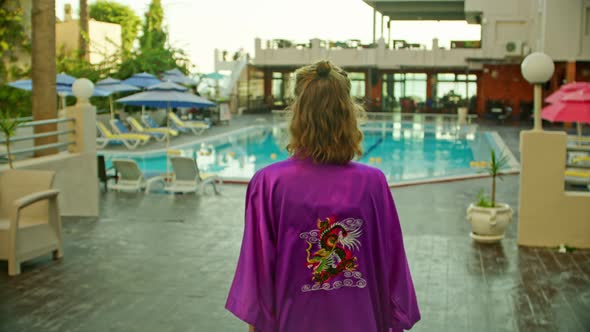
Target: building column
[
  {"x": 388, "y": 33},
  {"x": 570, "y": 71},
  {"x": 268, "y": 87},
  {"x": 430, "y": 82},
  {"x": 374, "y": 25},
  {"x": 382, "y": 21}
]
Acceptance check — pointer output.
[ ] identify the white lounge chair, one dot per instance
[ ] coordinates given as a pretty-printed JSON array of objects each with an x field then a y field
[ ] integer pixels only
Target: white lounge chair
[
  {"x": 131, "y": 141},
  {"x": 130, "y": 176},
  {"x": 188, "y": 179},
  {"x": 30, "y": 223},
  {"x": 197, "y": 127}
]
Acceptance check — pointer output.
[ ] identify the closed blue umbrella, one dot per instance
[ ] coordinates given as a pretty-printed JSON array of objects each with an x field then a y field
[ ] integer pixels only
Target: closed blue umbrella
[{"x": 142, "y": 80}]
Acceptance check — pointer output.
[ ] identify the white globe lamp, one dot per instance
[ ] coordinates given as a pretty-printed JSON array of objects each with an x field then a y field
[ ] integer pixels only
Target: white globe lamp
[
  {"x": 537, "y": 68},
  {"x": 82, "y": 89}
]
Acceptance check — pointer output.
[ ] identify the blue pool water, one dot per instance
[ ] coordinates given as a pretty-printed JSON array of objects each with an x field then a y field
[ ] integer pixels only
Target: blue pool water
[{"x": 407, "y": 152}]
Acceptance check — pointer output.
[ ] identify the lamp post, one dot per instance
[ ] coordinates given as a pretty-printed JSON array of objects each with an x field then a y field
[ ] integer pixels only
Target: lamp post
[
  {"x": 82, "y": 89},
  {"x": 84, "y": 115},
  {"x": 537, "y": 68}
]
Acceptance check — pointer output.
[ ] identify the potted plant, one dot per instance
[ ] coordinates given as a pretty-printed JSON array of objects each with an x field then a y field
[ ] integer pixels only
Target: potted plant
[
  {"x": 8, "y": 126},
  {"x": 489, "y": 218}
]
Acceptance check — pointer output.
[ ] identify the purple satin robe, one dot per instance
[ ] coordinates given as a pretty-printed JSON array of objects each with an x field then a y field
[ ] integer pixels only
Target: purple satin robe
[{"x": 322, "y": 251}]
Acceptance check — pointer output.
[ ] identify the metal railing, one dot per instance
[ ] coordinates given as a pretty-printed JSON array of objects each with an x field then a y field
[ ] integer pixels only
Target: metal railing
[
  {"x": 397, "y": 117},
  {"x": 57, "y": 133},
  {"x": 422, "y": 117}
]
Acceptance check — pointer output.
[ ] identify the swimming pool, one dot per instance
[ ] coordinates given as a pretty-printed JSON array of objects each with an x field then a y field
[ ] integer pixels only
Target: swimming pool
[{"x": 405, "y": 152}]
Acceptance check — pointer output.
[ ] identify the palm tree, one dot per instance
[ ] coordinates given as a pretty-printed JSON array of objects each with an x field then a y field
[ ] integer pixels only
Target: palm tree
[
  {"x": 43, "y": 70},
  {"x": 84, "y": 48},
  {"x": 8, "y": 126},
  {"x": 494, "y": 168}
]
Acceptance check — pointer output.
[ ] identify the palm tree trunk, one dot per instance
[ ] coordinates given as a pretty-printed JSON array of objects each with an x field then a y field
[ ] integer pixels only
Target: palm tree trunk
[
  {"x": 43, "y": 70},
  {"x": 83, "y": 42},
  {"x": 8, "y": 155}
]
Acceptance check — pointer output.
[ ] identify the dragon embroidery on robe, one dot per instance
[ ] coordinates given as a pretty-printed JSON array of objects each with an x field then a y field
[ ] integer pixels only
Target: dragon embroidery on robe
[{"x": 330, "y": 252}]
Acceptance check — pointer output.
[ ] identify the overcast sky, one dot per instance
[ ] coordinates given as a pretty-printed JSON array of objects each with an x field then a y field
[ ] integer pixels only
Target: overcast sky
[{"x": 200, "y": 26}]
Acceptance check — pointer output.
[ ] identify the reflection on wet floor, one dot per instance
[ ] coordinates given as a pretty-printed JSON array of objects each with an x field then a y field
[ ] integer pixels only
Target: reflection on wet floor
[{"x": 165, "y": 263}]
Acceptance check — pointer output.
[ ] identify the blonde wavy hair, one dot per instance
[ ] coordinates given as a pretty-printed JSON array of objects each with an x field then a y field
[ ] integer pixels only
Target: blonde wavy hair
[{"x": 324, "y": 116}]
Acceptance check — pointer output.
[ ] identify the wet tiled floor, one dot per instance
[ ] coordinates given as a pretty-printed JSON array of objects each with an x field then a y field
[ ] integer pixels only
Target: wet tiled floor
[{"x": 165, "y": 263}]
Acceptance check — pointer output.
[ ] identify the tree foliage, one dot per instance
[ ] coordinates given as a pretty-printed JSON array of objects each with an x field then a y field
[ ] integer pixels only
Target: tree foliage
[
  {"x": 154, "y": 54},
  {"x": 114, "y": 12},
  {"x": 153, "y": 61},
  {"x": 14, "y": 42},
  {"x": 154, "y": 36}
]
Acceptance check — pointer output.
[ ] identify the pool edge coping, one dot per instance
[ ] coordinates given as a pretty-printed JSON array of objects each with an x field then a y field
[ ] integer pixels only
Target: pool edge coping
[{"x": 494, "y": 135}]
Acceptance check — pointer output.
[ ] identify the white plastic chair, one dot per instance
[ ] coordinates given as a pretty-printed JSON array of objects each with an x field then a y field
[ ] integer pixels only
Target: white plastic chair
[
  {"x": 188, "y": 179},
  {"x": 30, "y": 223},
  {"x": 130, "y": 176}
]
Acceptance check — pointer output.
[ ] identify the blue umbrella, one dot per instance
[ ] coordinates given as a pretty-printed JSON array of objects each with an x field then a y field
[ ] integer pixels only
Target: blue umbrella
[
  {"x": 174, "y": 71},
  {"x": 178, "y": 79},
  {"x": 62, "y": 81},
  {"x": 63, "y": 86},
  {"x": 114, "y": 85},
  {"x": 142, "y": 80},
  {"x": 176, "y": 76},
  {"x": 166, "y": 95},
  {"x": 215, "y": 76}
]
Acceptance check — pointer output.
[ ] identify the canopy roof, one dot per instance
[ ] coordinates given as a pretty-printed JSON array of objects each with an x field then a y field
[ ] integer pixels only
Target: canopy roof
[{"x": 416, "y": 10}]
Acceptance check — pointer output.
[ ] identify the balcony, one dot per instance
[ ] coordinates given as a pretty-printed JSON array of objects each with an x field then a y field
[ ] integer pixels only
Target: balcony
[{"x": 377, "y": 55}]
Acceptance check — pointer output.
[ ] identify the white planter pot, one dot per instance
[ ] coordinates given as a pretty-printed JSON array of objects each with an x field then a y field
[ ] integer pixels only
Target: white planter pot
[{"x": 488, "y": 224}]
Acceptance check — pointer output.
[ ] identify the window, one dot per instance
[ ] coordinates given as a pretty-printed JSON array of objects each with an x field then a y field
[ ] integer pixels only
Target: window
[
  {"x": 280, "y": 82},
  {"x": 357, "y": 84},
  {"x": 463, "y": 86},
  {"x": 400, "y": 86}
]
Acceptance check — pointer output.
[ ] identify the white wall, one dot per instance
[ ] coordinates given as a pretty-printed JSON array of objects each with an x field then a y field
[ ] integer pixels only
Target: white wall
[
  {"x": 375, "y": 57},
  {"x": 556, "y": 27},
  {"x": 76, "y": 179},
  {"x": 105, "y": 38},
  {"x": 560, "y": 28},
  {"x": 66, "y": 36},
  {"x": 563, "y": 29}
]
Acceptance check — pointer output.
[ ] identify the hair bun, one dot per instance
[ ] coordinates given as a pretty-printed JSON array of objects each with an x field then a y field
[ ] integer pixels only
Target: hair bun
[{"x": 323, "y": 68}]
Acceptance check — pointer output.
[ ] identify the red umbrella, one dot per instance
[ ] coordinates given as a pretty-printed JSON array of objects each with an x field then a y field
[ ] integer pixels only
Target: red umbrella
[
  {"x": 565, "y": 89},
  {"x": 573, "y": 106},
  {"x": 567, "y": 112},
  {"x": 580, "y": 95}
]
